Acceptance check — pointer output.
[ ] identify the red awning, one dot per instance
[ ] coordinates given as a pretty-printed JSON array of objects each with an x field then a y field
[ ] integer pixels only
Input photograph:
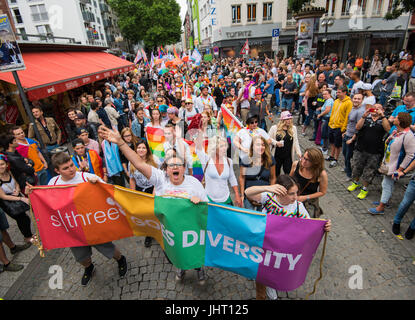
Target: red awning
[{"x": 50, "y": 73}]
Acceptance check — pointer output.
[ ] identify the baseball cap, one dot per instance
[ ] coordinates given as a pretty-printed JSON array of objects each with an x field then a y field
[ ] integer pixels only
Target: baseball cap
[
  {"x": 80, "y": 131},
  {"x": 80, "y": 115},
  {"x": 221, "y": 77},
  {"x": 366, "y": 86},
  {"x": 258, "y": 91},
  {"x": 172, "y": 110}
]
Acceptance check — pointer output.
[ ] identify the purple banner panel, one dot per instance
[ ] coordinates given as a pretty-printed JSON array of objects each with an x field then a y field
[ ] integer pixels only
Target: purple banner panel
[{"x": 289, "y": 247}]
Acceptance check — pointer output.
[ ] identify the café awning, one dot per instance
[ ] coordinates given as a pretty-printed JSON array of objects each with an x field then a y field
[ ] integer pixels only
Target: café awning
[{"x": 50, "y": 73}]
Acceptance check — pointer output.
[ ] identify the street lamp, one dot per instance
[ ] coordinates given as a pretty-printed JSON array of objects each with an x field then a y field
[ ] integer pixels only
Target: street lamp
[{"x": 326, "y": 22}]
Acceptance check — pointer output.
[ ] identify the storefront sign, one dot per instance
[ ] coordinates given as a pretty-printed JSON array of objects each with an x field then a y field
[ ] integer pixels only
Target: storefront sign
[
  {"x": 306, "y": 45},
  {"x": 10, "y": 56},
  {"x": 239, "y": 34}
]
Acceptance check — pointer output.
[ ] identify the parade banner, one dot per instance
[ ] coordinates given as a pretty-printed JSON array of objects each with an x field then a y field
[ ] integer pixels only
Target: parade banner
[{"x": 273, "y": 250}]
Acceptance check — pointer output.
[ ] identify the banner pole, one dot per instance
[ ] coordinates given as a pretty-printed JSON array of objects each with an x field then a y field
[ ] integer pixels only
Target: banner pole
[{"x": 321, "y": 267}]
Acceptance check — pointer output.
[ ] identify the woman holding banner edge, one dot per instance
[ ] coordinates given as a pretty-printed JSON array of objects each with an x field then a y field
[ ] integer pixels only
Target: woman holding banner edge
[
  {"x": 279, "y": 199},
  {"x": 172, "y": 182}
]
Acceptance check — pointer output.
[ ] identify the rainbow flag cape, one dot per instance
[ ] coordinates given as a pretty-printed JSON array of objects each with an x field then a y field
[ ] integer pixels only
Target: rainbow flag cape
[
  {"x": 232, "y": 124},
  {"x": 197, "y": 165},
  {"x": 155, "y": 139}
]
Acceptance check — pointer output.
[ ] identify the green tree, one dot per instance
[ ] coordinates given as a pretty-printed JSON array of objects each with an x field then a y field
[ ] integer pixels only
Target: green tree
[{"x": 156, "y": 22}]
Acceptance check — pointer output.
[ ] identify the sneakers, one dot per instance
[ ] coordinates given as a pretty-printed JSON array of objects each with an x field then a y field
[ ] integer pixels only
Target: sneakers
[
  {"x": 201, "y": 276},
  {"x": 329, "y": 158},
  {"x": 354, "y": 186},
  {"x": 17, "y": 248},
  {"x": 13, "y": 267},
  {"x": 122, "y": 266},
  {"x": 147, "y": 242},
  {"x": 271, "y": 293},
  {"x": 333, "y": 163},
  {"x": 375, "y": 212},
  {"x": 409, "y": 234},
  {"x": 180, "y": 274},
  {"x": 86, "y": 278},
  {"x": 362, "y": 194},
  {"x": 396, "y": 229}
]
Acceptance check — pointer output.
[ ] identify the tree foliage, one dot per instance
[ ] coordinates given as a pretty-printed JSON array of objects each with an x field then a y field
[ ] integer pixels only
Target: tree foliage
[
  {"x": 156, "y": 22},
  {"x": 400, "y": 7}
]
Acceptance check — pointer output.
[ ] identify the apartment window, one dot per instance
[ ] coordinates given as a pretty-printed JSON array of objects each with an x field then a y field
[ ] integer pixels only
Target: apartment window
[
  {"x": 13, "y": 1},
  {"x": 346, "y": 7},
  {"x": 377, "y": 7},
  {"x": 251, "y": 12},
  {"x": 362, "y": 6},
  {"x": 43, "y": 29},
  {"x": 23, "y": 34},
  {"x": 390, "y": 5},
  {"x": 18, "y": 16},
  {"x": 328, "y": 7},
  {"x": 236, "y": 14},
  {"x": 39, "y": 13},
  {"x": 267, "y": 12}
]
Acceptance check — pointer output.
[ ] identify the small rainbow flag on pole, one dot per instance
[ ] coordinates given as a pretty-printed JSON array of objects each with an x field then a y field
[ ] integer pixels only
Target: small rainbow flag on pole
[
  {"x": 232, "y": 124},
  {"x": 197, "y": 165},
  {"x": 155, "y": 139}
]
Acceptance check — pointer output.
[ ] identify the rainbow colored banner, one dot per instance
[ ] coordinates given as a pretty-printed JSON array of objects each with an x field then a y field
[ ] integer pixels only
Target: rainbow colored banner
[
  {"x": 276, "y": 251},
  {"x": 232, "y": 124},
  {"x": 197, "y": 165},
  {"x": 155, "y": 139}
]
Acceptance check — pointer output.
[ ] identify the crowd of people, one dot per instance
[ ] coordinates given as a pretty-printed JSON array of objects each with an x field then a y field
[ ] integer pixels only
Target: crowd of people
[{"x": 344, "y": 107}]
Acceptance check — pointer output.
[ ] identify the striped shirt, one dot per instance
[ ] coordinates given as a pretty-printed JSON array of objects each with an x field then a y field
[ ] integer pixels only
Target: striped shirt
[{"x": 272, "y": 206}]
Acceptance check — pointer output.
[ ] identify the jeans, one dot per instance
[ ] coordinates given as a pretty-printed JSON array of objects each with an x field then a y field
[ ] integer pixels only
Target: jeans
[
  {"x": 51, "y": 147},
  {"x": 42, "y": 177},
  {"x": 286, "y": 104},
  {"x": 387, "y": 188},
  {"x": 309, "y": 117},
  {"x": 263, "y": 124},
  {"x": 348, "y": 154},
  {"x": 249, "y": 205},
  {"x": 383, "y": 98},
  {"x": 406, "y": 202}
]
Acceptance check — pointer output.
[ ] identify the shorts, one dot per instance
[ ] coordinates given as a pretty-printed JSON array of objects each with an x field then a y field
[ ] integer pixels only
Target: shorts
[
  {"x": 268, "y": 99},
  {"x": 335, "y": 137},
  {"x": 365, "y": 165},
  {"x": 4, "y": 224},
  {"x": 83, "y": 253}
]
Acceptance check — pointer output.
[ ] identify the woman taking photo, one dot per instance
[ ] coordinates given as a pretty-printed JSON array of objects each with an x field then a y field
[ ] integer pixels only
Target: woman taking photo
[
  {"x": 259, "y": 172},
  {"x": 280, "y": 199},
  {"x": 284, "y": 143},
  {"x": 12, "y": 201},
  {"x": 401, "y": 141},
  {"x": 172, "y": 181},
  {"x": 137, "y": 180},
  {"x": 312, "y": 179},
  {"x": 218, "y": 171}
]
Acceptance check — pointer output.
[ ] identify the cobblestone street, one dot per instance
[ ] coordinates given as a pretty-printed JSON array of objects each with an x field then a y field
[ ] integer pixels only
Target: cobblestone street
[{"x": 357, "y": 239}]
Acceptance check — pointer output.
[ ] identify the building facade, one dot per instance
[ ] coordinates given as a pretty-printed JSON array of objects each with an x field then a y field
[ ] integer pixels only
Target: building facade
[
  {"x": 89, "y": 22},
  {"x": 358, "y": 26}
]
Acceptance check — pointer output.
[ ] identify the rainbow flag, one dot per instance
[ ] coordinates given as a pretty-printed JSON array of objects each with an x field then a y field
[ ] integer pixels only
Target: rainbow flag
[
  {"x": 232, "y": 124},
  {"x": 197, "y": 165},
  {"x": 155, "y": 139}
]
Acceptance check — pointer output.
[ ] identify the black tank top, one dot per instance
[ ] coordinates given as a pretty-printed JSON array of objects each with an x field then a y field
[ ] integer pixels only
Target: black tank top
[{"x": 305, "y": 189}]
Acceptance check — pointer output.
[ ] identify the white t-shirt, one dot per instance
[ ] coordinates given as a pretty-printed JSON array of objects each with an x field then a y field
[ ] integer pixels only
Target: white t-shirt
[
  {"x": 356, "y": 87},
  {"x": 272, "y": 206},
  {"x": 202, "y": 102},
  {"x": 189, "y": 114},
  {"x": 246, "y": 139},
  {"x": 140, "y": 180},
  {"x": 216, "y": 185},
  {"x": 80, "y": 177},
  {"x": 244, "y": 102},
  {"x": 190, "y": 187}
]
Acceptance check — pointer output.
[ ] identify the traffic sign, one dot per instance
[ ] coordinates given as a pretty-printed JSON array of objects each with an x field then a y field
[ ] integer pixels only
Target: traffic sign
[
  {"x": 275, "y": 33},
  {"x": 275, "y": 44},
  {"x": 216, "y": 50}
]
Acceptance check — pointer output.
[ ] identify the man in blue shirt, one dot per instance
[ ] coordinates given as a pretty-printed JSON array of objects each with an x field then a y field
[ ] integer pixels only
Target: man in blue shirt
[
  {"x": 407, "y": 106},
  {"x": 269, "y": 89}
]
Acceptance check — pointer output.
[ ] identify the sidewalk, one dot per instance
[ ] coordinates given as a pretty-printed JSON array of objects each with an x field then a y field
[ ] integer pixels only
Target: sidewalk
[{"x": 357, "y": 239}]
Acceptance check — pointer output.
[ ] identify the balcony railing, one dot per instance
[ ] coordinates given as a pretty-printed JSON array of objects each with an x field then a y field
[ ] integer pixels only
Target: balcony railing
[
  {"x": 104, "y": 7},
  {"x": 107, "y": 23},
  {"x": 44, "y": 37}
]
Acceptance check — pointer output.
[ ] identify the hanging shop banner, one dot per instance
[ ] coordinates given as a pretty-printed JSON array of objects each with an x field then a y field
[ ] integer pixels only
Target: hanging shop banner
[{"x": 10, "y": 56}]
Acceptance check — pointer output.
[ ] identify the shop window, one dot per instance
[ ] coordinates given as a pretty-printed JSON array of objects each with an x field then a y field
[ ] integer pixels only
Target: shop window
[
  {"x": 267, "y": 12},
  {"x": 251, "y": 12},
  {"x": 236, "y": 14}
]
